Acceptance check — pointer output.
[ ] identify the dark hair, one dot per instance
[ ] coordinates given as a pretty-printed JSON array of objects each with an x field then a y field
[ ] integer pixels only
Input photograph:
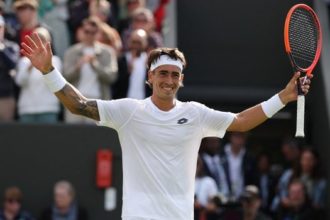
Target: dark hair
[
  {"x": 173, "y": 53},
  {"x": 92, "y": 21},
  {"x": 316, "y": 172}
]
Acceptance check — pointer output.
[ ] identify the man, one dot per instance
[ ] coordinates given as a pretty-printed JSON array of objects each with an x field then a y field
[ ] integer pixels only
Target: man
[
  {"x": 65, "y": 206},
  {"x": 212, "y": 164},
  {"x": 12, "y": 206},
  {"x": 239, "y": 166},
  {"x": 132, "y": 72},
  {"x": 9, "y": 54},
  {"x": 160, "y": 135},
  {"x": 251, "y": 203},
  {"x": 298, "y": 205},
  {"x": 27, "y": 15},
  {"x": 90, "y": 66}
]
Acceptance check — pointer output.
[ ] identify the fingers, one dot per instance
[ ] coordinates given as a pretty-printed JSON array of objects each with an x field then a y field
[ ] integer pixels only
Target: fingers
[
  {"x": 26, "y": 48},
  {"x": 295, "y": 77},
  {"x": 305, "y": 88},
  {"x": 31, "y": 42},
  {"x": 25, "y": 53},
  {"x": 37, "y": 40},
  {"x": 49, "y": 48}
]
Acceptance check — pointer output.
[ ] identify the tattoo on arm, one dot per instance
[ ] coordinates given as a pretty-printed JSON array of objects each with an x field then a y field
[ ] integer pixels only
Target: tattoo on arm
[
  {"x": 73, "y": 100},
  {"x": 89, "y": 109}
]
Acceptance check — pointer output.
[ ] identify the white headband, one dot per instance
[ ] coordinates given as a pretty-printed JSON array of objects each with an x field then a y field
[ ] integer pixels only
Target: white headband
[{"x": 166, "y": 60}]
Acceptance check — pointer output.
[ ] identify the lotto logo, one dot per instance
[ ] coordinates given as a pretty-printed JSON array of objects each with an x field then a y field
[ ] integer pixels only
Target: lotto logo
[{"x": 182, "y": 121}]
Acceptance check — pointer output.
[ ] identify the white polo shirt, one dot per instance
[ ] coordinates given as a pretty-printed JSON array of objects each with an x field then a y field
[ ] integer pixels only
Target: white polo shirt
[{"x": 159, "y": 151}]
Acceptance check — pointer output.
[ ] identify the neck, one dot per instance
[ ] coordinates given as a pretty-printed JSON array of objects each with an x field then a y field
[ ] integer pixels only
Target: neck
[
  {"x": 164, "y": 105},
  {"x": 64, "y": 210}
]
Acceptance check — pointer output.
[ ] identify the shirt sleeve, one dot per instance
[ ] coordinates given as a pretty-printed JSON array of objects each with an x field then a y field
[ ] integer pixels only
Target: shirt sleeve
[
  {"x": 214, "y": 123},
  {"x": 115, "y": 113}
]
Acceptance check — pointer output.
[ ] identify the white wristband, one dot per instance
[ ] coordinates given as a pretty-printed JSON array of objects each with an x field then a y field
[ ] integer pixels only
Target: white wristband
[
  {"x": 54, "y": 80},
  {"x": 272, "y": 106}
]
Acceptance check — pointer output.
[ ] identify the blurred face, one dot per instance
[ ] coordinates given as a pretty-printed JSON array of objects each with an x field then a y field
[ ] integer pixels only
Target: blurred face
[
  {"x": 212, "y": 145},
  {"x": 137, "y": 43},
  {"x": 290, "y": 153},
  {"x": 25, "y": 14},
  {"x": 166, "y": 81},
  {"x": 296, "y": 194},
  {"x": 140, "y": 22},
  {"x": 12, "y": 206},
  {"x": 237, "y": 141},
  {"x": 263, "y": 164},
  {"x": 307, "y": 162},
  {"x": 63, "y": 199},
  {"x": 89, "y": 33},
  {"x": 251, "y": 206},
  {"x": 132, "y": 5}
]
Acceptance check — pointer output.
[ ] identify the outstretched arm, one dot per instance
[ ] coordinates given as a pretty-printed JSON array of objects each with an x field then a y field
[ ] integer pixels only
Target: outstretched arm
[
  {"x": 40, "y": 55},
  {"x": 254, "y": 116}
]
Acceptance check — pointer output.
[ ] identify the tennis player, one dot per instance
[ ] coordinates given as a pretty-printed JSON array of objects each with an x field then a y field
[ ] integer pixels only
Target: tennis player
[{"x": 159, "y": 135}]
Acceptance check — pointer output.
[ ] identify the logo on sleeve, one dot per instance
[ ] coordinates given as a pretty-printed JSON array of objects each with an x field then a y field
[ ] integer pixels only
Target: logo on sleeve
[{"x": 182, "y": 121}]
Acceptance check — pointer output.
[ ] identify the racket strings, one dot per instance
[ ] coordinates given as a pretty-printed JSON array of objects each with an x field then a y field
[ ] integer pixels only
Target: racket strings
[{"x": 303, "y": 37}]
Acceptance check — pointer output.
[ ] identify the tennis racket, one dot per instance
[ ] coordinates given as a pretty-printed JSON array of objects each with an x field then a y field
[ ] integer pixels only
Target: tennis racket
[{"x": 303, "y": 42}]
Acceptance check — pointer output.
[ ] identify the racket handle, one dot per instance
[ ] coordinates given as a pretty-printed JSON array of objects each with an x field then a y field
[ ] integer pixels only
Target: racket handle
[{"x": 300, "y": 116}]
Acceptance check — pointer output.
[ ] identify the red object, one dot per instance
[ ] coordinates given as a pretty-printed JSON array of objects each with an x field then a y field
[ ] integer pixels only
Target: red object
[
  {"x": 287, "y": 37},
  {"x": 160, "y": 14},
  {"x": 104, "y": 168}
]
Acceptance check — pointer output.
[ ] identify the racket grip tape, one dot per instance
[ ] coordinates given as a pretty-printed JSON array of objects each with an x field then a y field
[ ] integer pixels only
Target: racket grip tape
[{"x": 300, "y": 116}]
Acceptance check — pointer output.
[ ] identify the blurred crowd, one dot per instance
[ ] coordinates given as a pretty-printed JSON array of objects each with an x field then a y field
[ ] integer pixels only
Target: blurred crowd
[
  {"x": 233, "y": 183},
  {"x": 100, "y": 46},
  {"x": 64, "y": 206}
]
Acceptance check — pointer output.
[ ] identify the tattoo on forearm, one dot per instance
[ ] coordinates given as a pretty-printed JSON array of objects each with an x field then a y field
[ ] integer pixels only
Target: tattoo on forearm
[{"x": 77, "y": 103}]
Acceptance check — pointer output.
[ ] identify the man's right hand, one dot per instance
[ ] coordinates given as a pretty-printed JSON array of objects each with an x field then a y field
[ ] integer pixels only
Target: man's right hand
[{"x": 40, "y": 54}]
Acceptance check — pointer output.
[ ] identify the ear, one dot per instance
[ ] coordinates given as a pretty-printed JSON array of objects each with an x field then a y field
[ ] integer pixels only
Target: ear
[{"x": 150, "y": 76}]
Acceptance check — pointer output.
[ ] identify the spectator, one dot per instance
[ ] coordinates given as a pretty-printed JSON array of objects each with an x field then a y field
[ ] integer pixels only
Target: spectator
[
  {"x": 36, "y": 104},
  {"x": 91, "y": 66},
  {"x": 56, "y": 18},
  {"x": 127, "y": 12},
  {"x": 142, "y": 18},
  {"x": 65, "y": 205},
  {"x": 132, "y": 69},
  {"x": 10, "y": 19},
  {"x": 291, "y": 152},
  {"x": 205, "y": 190},
  {"x": 212, "y": 164},
  {"x": 308, "y": 172},
  {"x": 101, "y": 9},
  {"x": 297, "y": 206},
  {"x": 239, "y": 165},
  {"x": 158, "y": 7},
  {"x": 12, "y": 206},
  {"x": 27, "y": 15},
  {"x": 251, "y": 203},
  {"x": 9, "y": 54},
  {"x": 79, "y": 10},
  {"x": 266, "y": 182},
  {"x": 110, "y": 36}
]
